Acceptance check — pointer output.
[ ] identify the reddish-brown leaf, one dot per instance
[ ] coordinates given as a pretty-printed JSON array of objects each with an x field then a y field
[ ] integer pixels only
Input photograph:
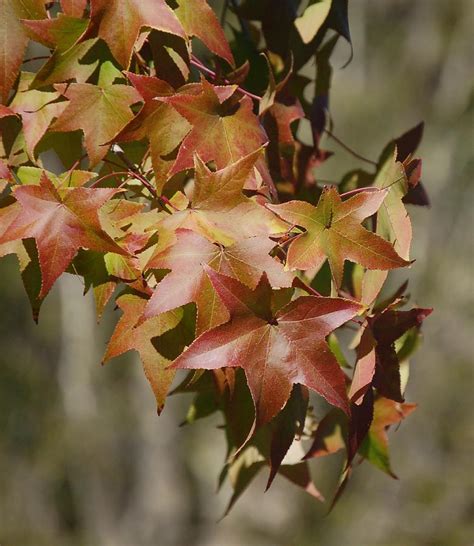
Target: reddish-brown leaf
[
  {"x": 119, "y": 23},
  {"x": 222, "y": 131},
  {"x": 188, "y": 281},
  {"x": 61, "y": 221},
  {"x": 199, "y": 20},
  {"x": 276, "y": 351}
]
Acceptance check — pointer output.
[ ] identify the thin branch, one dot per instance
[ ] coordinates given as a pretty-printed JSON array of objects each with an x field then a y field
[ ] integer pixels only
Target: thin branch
[
  {"x": 197, "y": 63},
  {"x": 348, "y": 149},
  {"x": 39, "y": 58}
]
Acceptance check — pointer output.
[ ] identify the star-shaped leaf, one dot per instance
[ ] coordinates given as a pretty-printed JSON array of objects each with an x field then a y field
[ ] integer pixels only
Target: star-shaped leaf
[
  {"x": 188, "y": 282},
  {"x": 334, "y": 231},
  {"x": 61, "y": 221},
  {"x": 127, "y": 336},
  {"x": 219, "y": 210},
  {"x": 100, "y": 112},
  {"x": 222, "y": 130},
  {"x": 119, "y": 23},
  {"x": 198, "y": 19},
  {"x": 375, "y": 446},
  {"x": 275, "y": 350}
]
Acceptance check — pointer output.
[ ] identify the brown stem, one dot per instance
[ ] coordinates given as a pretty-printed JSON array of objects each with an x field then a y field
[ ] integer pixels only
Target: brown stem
[
  {"x": 348, "y": 149},
  {"x": 197, "y": 63},
  {"x": 39, "y": 58}
]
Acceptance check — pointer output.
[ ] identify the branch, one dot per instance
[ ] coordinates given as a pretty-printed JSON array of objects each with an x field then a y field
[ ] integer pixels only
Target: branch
[{"x": 348, "y": 149}]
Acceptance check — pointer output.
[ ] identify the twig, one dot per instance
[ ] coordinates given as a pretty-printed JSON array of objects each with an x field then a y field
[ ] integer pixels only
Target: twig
[
  {"x": 348, "y": 149},
  {"x": 39, "y": 58},
  {"x": 197, "y": 63}
]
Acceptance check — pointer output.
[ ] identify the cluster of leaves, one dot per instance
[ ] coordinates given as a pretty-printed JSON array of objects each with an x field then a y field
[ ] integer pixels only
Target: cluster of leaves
[{"x": 187, "y": 192}]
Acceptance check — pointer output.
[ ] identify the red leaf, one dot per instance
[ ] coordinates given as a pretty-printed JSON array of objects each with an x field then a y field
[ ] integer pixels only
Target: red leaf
[
  {"x": 119, "y": 23},
  {"x": 188, "y": 282},
  {"x": 276, "y": 351},
  {"x": 61, "y": 222},
  {"x": 199, "y": 20},
  {"x": 221, "y": 132}
]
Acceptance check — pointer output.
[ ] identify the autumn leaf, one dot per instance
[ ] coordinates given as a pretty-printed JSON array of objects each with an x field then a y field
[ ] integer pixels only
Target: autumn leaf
[
  {"x": 393, "y": 222},
  {"x": 276, "y": 351},
  {"x": 74, "y": 8},
  {"x": 37, "y": 110},
  {"x": 188, "y": 282},
  {"x": 60, "y": 33},
  {"x": 375, "y": 446},
  {"x": 14, "y": 39},
  {"x": 221, "y": 131},
  {"x": 329, "y": 436},
  {"x": 99, "y": 112},
  {"x": 219, "y": 210},
  {"x": 64, "y": 66},
  {"x": 312, "y": 19},
  {"x": 119, "y": 23},
  {"x": 199, "y": 20},
  {"x": 378, "y": 362},
  {"x": 334, "y": 231},
  {"x": 61, "y": 221},
  {"x": 154, "y": 122},
  {"x": 128, "y": 336}
]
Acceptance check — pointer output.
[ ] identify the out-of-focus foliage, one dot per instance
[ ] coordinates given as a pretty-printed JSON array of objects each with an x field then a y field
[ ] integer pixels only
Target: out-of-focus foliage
[{"x": 86, "y": 463}]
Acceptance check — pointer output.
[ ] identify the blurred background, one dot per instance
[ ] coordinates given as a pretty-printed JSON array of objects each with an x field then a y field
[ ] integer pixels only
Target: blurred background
[{"x": 84, "y": 460}]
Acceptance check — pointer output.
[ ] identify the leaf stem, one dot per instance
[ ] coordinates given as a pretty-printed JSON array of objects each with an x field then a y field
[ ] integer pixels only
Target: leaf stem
[{"x": 198, "y": 64}]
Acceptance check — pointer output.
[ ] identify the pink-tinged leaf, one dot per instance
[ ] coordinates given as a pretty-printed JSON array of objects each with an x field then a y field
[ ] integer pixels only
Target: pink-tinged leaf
[
  {"x": 221, "y": 132},
  {"x": 13, "y": 38},
  {"x": 275, "y": 351},
  {"x": 365, "y": 368},
  {"x": 128, "y": 336},
  {"x": 188, "y": 281},
  {"x": 99, "y": 112},
  {"x": 74, "y": 8},
  {"x": 198, "y": 19},
  {"x": 6, "y": 112},
  {"x": 334, "y": 231},
  {"x": 61, "y": 222},
  {"x": 119, "y": 23}
]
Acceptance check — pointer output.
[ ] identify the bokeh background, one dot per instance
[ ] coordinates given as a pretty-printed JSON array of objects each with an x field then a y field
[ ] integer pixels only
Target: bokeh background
[{"x": 84, "y": 460}]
